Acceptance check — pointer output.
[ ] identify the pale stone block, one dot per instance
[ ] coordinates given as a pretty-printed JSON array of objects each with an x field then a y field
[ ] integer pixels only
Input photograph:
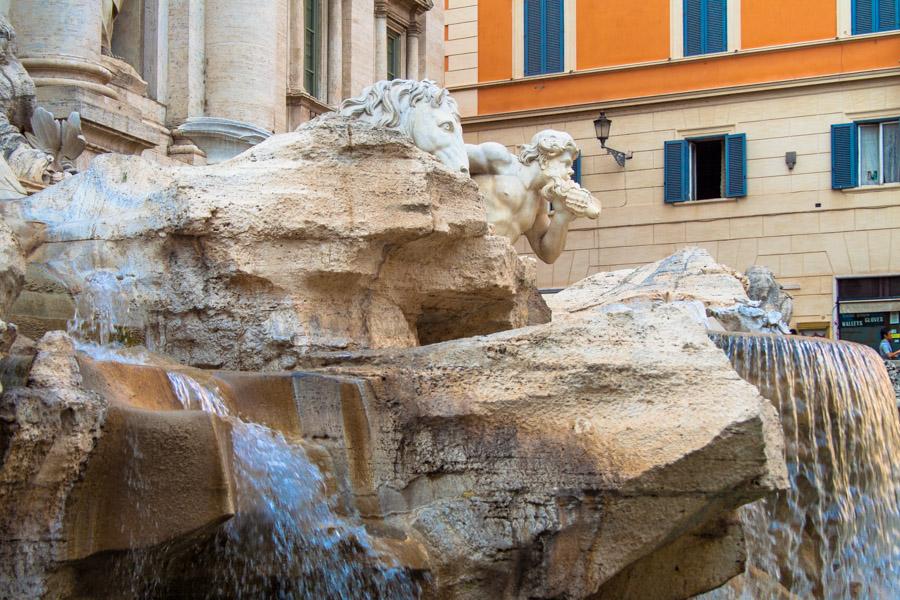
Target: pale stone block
[
  {"x": 813, "y": 242},
  {"x": 669, "y": 233},
  {"x": 837, "y": 220},
  {"x": 858, "y": 251},
  {"x": 790, "y": 224},
  {"x": 616, "y": 237},
  {"x": 458, "y": 62},
  {"x": 746, "y": 227},
  {"x": 580, "y": 266},
  {"x": 747, "y": 254},
  {"x": 791, "y": 265},
  {"x": 611, "y": 199},
  {"x": 636, "y": 254},
  {"x": 643, "y": 179},
  {"x": 816, "y": 263},
  {"x": 728, "y": 254},
  {"x": 698, "y": 231},
  {"x": 895, "y": 251},
  {"x": 650, "y": 140},
  {"x": 816, "y": 123},
  {"x": 771, "y": 185},
  {"x": 777, "y": 147},
  {"x": 468, "y": 106},
  {"x": 836, "y": 248},
  {"x": 581, "y": 129},
  {"x": 642, "y": 197},
  {"x": 879, "y": 250},
  {"x": 544, "y": 275},
  {"x": 457, "y": 78},
  {"x": 605, "y": 181},
  {"x": 462, "y": 46},
  {"x": 451, "y": 4},
  {"x": 813, "y": 306},
  {"x": 460, "y": 15},
  {"x": 462, "y": 30},
  {"x": 878, "y": 218},
  {"x": 775, "y": 245},
  {"x": 581, "y": 240}
]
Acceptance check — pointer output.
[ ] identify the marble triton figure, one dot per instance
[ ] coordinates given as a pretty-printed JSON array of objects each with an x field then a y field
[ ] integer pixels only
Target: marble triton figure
[{"x": 533, "y": 193}]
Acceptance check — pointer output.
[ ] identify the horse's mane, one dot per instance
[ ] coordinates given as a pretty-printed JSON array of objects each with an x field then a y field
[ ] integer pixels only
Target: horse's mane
[{"x": 387, "y": 103}]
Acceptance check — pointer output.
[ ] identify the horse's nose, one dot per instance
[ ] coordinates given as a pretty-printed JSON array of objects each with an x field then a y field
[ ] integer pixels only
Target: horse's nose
[{"x": 464, "y": 170}]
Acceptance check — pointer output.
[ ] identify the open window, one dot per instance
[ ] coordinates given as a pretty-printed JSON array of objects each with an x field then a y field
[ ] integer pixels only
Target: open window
[{"x": 705, "y": 168}]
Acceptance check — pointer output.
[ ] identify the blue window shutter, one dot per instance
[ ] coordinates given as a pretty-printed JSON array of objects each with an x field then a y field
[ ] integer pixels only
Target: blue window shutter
[
  {"x": 863, "y": 16},
  {"x": 844, "y": 164},
  {"x": 677, "y": 180},
  {"x": 576, "y": 166},
  {"x": 693, "y": 19},
  {"x": 716, "y": 27},
  {"x": 533, "y": 37},
  {"x": 554, "y": 36},
  {"x": 887, "y": 15},
  {"x": 736, "y": 165}
]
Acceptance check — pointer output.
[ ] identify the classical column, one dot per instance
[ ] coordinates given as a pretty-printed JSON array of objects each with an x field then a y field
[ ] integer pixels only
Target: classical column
[
  {"x": 412, "y": 47},
  {"x": 59, "y": 43},
  {"x": 381, "y": 58},
  {"x": 244, "y": 83},
  {"x": 335, "y": 68}
]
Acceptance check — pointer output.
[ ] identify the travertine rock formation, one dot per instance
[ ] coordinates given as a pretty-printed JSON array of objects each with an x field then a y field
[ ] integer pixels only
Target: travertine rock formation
[
  {"x": 570, "y": 459},
  {"x": 47, "y": 433},
  {"x": 338, "y": 236},
  {"x": 716, "y": 294}
]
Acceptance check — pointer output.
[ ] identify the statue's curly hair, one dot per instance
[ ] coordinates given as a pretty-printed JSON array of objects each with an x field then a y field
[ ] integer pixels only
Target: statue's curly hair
[
  {"x": 387, "y": 102},
  {"x": 7, "y": 31},
  {"x": 547, "y": 144}
]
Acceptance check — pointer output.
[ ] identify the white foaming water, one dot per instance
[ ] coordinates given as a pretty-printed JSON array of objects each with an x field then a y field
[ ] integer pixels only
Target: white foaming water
[
  {"x": 835, "y": 533},
  {"x": 285, "y": 541},
  {"x": 103, "y": 306}
]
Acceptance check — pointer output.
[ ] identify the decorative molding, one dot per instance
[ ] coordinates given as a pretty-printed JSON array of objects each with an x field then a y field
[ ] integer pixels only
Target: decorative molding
[{"x": 220, "y": 138}]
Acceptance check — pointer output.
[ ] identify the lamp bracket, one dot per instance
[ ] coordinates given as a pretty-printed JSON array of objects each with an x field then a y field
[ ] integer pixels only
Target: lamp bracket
[{"x": 620, "y": 157}]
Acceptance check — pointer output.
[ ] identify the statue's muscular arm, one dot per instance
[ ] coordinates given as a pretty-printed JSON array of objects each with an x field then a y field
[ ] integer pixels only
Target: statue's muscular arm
[
  {"x": 547, "y": 236},
  {"x": 491, "y": 158}
]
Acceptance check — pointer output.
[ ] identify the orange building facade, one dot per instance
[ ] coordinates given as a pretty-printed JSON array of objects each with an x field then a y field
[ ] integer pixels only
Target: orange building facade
[{"x": 809, "y": 91}]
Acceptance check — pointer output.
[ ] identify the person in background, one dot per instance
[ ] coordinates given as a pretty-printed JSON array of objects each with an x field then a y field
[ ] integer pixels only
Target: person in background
[{"x": 884, "y": 349}]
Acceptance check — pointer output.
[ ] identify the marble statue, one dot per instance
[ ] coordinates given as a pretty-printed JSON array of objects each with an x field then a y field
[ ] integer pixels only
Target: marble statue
[
  {"x": 33, "y": 157},
  {"x": 110, "y": 9},
  {"x": 422, "y": 110},
  {"x": 533, "y": 194}
]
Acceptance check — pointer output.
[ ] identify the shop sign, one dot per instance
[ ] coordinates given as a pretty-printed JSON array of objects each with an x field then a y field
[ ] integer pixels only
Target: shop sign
[{"x": 863, "y": 320}]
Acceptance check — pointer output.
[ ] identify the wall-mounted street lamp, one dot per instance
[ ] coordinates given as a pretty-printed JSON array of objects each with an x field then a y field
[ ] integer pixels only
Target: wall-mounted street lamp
[{"x": 602, "y": 126}]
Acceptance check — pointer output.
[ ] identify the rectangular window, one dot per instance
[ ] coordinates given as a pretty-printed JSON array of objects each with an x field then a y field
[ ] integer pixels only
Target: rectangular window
[
  {"x": 576, "y": 166},
  {"x": 544, "y": 37},
  {"x": 393, "y": 55},
  {"x": 865, "y": 154},
  {"x": 705, "y": 27},
  {"x": 705, "y": 168},
  {"x": 871, "y": 16},
  {"x": 311, "y": 43}
]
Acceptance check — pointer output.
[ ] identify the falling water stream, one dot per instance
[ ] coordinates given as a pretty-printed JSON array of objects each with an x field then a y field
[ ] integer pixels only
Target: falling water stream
[
  {"x": 285, "y": 541},
  {"x": 835, "y": 533}
]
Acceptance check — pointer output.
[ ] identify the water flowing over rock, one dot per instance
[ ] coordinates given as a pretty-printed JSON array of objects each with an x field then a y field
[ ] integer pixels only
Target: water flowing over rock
[
  {"x": 338, "y": 236},
  {"x": 833, "y": 534}
]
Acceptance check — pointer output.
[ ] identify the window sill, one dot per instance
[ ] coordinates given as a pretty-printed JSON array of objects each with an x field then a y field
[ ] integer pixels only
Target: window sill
[
  {"x": 872, "y": 188},
  {"x": 710, "y": 201}
]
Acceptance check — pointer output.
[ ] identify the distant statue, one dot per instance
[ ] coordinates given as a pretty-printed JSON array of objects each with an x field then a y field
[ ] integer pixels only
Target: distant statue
[
  {"x": 110, "y": 9},
  {"x": 31, "y": 153},
  {"x": 533, "y": 193},
  {"x": 422, "y": 110}
]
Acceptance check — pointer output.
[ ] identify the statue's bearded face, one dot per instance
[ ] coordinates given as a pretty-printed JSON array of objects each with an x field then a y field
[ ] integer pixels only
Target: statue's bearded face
[{"x": 559, "y": 189}]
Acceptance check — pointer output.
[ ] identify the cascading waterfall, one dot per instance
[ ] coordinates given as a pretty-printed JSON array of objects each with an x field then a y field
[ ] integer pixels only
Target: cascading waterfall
[
  {"x": 836, "y": 532},
  {"x": 285, "y": 541}
]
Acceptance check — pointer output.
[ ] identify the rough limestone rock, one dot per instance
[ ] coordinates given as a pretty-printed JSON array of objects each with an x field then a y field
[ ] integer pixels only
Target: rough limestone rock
[
  {"x": 716, "y": 294},
  {"x": 337, "y": 236},
  {"x": 581, "y": 457},
  {"x": 48, "y": 430}
]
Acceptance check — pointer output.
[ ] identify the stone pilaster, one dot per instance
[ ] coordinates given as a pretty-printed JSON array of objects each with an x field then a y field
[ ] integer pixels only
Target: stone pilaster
[
  {"x": 412, "y": 46},
  {"x": 381, "y": 58},
  {"x": 335, "y": 65}
]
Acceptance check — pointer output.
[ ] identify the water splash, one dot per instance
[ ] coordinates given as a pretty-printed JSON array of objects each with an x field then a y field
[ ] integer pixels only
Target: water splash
[
  {"x": 286, "y": 541},
  {"x": 836, "y": 532},
  {"x": 103, "y": 306}
]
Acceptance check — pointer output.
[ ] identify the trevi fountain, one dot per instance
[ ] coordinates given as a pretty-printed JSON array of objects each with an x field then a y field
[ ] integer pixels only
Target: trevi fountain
[{"x": 321, "y": 370}]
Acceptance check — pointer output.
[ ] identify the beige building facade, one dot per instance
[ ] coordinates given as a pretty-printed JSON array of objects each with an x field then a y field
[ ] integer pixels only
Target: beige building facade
[
  {"x": 783, "y": 98},
  {"x": 202, "y": 80}
]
